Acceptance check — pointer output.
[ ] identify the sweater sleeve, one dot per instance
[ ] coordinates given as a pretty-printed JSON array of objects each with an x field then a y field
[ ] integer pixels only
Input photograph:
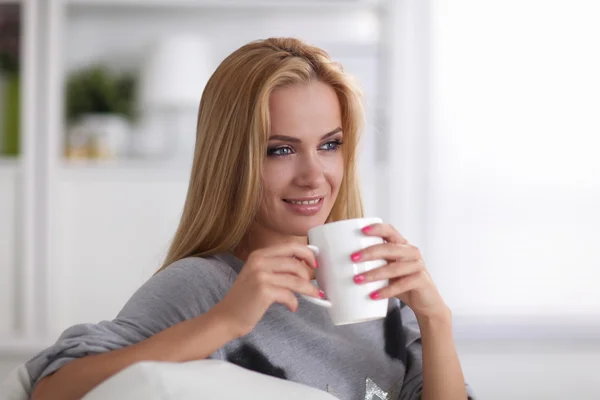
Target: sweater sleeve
[
  {"x": 184, "y": 290},
  {"x": 412, "y": 387}
]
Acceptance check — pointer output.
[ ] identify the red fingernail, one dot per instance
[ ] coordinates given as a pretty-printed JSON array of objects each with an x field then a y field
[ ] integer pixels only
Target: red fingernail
[
  {"x": 321, "y": 294},
  {"x": 375, "y": 295},
  {"x": 316, "y": 264},
  {"x": 356, "y": 256},
  {"x": 359, "y": 278},
  {"x": 367, "y": 229}
]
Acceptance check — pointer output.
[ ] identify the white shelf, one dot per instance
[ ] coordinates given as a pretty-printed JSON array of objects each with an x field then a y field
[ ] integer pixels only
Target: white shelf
[
  {"x": 238, "y": 4},
  {"x": 9, "y": 163},
  {"x": 124, "y": 169}
]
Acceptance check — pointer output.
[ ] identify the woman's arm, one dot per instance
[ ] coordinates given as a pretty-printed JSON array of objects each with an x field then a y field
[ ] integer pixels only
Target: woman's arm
[
  {"x": 186, "y": 312},
  {"x": 174, "y": 316},
  {"x": 411, "y": 283},
  {"x": 193, "y": 339},
  {"x": 442, "y": 373}
]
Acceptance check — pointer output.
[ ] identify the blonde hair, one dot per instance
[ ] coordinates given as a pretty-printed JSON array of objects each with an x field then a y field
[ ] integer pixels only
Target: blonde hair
[{"x": 225, "y": 190}]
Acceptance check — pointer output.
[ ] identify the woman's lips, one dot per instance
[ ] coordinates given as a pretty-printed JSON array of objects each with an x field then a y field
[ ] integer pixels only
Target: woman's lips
[{"x": 304, "y": 209}]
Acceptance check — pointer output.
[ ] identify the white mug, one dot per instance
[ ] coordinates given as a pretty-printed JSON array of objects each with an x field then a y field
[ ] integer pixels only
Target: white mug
[{"x": 333, "y": 244}]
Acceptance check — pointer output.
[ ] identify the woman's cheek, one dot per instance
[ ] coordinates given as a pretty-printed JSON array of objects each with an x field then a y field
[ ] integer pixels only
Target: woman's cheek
[
  {"x": 334, "y": 168},
  {"x": 276, "y": 177}
]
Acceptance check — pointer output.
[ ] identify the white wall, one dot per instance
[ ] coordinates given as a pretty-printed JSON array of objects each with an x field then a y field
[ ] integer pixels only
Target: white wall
[
  {"x": 514, "y": 187},
  {"x": 514, "y": 174},
  {"x": 532, "y": 370},
  {"x": 9, "y": 178}
]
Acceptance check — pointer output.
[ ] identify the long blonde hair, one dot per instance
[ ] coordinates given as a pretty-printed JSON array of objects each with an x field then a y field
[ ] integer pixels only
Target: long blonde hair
[{"x": 225, "y": 189}]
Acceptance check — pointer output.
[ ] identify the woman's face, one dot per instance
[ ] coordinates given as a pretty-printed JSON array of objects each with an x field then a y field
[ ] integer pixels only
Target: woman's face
[{"x": 303, "y": 167}]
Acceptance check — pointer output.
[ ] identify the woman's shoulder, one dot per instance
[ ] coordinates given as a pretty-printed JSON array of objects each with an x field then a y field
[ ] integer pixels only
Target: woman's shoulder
[
  {"x": 214, "y": 269},
  {"x": 189, "y": 286}
]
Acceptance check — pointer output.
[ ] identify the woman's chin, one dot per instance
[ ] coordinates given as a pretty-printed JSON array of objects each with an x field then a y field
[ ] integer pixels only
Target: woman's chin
[{"x": 302, "y": 228}]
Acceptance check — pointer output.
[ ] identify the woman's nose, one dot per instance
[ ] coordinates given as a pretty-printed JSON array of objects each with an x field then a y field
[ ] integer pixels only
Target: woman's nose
[{"x": 310, "y": 171}]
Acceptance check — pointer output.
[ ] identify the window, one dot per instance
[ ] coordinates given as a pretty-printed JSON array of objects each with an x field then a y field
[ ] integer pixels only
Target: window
[{"x": 510, "y": 168}]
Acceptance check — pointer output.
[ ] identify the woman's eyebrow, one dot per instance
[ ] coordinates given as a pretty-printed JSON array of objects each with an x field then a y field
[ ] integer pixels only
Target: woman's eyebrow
[{"x": 292, "y": 139}]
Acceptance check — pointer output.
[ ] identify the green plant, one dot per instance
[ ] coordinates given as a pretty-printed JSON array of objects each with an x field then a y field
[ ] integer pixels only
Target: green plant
[
  {"x": 96, "y": 89},
  {"x": 10, "y": 34}
]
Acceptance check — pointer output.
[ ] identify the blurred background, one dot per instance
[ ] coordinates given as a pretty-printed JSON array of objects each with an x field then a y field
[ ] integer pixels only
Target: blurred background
[{"x": 481, "y": 147}]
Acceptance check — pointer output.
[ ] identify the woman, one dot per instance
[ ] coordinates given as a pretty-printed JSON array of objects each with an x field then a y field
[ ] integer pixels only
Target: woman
[{"x": 277, "y": 137}]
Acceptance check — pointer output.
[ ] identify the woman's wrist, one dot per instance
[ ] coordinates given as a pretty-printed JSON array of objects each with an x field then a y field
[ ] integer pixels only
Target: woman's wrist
[
  {"x": 440, "y": 319},
  {"x": 207, "y": 334},
  {"x": 227, "y": 325}
]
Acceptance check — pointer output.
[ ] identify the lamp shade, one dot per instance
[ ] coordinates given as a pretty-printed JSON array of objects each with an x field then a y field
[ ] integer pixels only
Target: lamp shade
[{"x": 175, "y": 72}]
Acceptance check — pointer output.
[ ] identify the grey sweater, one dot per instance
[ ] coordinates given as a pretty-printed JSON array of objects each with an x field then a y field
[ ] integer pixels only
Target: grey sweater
[{"x": 369, "y": 360}]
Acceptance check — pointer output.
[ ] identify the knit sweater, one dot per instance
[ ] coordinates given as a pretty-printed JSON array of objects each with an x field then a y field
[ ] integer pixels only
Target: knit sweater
[{"x": 379, "y": 359}]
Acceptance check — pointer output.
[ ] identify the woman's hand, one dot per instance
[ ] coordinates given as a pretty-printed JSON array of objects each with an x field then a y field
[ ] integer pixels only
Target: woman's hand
[
  {"x": 408, "y": 277},
  {"x": 270, "y": 275}
]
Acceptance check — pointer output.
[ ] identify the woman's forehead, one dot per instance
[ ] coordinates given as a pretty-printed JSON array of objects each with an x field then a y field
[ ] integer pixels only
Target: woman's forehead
[{"x": 304, "y": 110}]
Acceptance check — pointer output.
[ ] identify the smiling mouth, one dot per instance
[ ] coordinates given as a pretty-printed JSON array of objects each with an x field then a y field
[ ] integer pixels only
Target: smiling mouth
[{"x": 304, "y": 202}]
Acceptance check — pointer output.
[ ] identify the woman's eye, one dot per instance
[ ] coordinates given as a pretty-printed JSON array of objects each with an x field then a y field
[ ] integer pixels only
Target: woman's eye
[
  {"x": 331, "y": 146},
  {"x": 280, "y": 151}
]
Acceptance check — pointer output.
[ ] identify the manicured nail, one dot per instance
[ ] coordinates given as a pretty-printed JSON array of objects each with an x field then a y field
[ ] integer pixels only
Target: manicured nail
[
  {"x": 367, "y": 229},
  {"x": 359, "y": 278},
  {"x": 321, "y": 294},
  {"x": 375, "y": 295},
  {"x": 316, "y": 264},
  {"x": 356, "y": 256}
]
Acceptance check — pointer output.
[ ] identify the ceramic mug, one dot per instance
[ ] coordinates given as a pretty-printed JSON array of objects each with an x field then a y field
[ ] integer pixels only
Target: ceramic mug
[{"x": 333, "y": 243}]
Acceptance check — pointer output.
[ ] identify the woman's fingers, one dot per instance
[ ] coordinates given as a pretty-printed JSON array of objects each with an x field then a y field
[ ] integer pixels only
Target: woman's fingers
[
  {"x": 390, "y": 271},
  {"x": 289, "y": 250},
  {"x": 387, "y": 251},
  {"x": 401, "y": 286},
  {"x": 286, "y": 265},
  {"x": 294, "y": 284},
  {"x": 285, "y": 297},
  {"x": 386, "y": 231}
]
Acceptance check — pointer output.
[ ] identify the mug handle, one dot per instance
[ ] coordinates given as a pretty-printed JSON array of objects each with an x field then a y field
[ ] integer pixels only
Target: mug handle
[{"x": 319, "y": 302}]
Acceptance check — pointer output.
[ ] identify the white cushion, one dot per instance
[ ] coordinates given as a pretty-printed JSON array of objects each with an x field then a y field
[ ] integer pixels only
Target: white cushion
[
  {"x": 17, "y": 385},
  {"x": 203, "y": 379}
]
